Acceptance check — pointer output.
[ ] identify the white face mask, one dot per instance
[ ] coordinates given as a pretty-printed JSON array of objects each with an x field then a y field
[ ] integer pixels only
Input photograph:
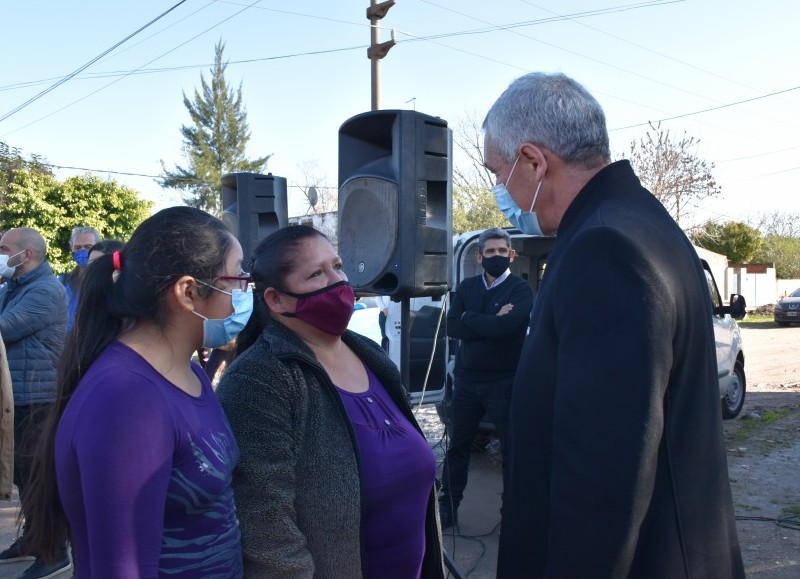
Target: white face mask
[{"x": 7, "y": 271}]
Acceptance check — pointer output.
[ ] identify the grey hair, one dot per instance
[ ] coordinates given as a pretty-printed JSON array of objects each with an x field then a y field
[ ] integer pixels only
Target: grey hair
[
  {"x": 79, "y": 230},
  {"x": 493, "y": 233},
  {"x": 551, "y": 111}
]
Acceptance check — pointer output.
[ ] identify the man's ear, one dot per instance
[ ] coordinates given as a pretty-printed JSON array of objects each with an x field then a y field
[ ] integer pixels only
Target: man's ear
[
  {"x": 512, "y": 254},
  {"x": 479, "y": 257},
  {"x": 535, "y": 156}
]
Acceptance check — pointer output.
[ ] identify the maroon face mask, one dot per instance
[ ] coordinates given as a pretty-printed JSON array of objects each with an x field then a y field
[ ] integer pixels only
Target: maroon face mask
[{"x": 328, "y": 309}]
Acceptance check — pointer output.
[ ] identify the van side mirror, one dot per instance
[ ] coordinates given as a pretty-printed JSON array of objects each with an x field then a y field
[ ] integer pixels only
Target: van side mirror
[{"x": 737, "y": 306}]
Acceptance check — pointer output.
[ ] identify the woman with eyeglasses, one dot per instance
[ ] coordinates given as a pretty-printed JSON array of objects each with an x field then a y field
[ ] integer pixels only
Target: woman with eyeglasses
[
  {"x": 336, "y": 479},
  {"x": 134, "y": 469}
]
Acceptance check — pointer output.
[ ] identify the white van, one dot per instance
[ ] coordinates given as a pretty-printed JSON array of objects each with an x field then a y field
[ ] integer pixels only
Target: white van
[{"x": 428, "y": 319}]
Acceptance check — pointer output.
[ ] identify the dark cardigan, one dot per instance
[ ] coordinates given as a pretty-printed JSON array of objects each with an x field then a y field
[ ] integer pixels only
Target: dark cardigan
[{"x": 297, "y": 486}]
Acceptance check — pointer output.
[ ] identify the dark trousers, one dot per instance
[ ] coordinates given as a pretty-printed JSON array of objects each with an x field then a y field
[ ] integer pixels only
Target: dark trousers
[
  {"x": 29, "y": 421},
  {"x": 471, "y": 400}
]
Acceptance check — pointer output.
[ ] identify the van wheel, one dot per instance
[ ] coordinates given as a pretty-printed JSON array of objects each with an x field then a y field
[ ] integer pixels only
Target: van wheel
[{"x": 733, "y": 401}]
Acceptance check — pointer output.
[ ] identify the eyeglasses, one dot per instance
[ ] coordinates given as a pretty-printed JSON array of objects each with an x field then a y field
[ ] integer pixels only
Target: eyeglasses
[{"x": 243, "y": 280}]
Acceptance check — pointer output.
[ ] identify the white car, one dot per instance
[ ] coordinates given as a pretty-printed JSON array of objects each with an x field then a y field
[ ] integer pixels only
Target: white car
[
  {"x": 529, "y": 264},
  {"x": 728, "y": 345}
]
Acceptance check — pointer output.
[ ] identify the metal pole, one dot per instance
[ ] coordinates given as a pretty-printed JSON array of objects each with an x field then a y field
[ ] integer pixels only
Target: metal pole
[
  {"x": 375, "y": 61},
  {"x": 377, "y": 50}
]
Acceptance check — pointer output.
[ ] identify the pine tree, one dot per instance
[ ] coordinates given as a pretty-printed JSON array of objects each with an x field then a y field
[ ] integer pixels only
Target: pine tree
[{"x": 216, "y": 142}]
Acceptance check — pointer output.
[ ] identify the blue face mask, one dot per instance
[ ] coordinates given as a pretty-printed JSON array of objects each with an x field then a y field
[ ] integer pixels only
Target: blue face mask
[
  {"x": 217, "y": 333},
  {"x": 526, "y": 221},
  {"x": 81, "y": 257}
]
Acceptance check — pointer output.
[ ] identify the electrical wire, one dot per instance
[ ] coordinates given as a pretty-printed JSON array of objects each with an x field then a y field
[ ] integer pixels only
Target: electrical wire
[
  {"x": 87, "y": 65},
  {"x": 411, "y": 38},
  {"x": 125, "y": 76},
  {"x": 433, "y": 351},
  {"x": 760, "y": 97}
]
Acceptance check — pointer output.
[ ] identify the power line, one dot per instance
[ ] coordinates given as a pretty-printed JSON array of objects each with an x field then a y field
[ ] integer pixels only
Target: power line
[
  {"x": 708, "y": 110},
  {"x": 590, "y": 58},
  {"x": 642, "y": 47},
  {"x": 411, "y": 38},
  {"x": 126, "y": 75},
  {"x": 109, "y": 171},
  {"x": 87, "y": 65}
]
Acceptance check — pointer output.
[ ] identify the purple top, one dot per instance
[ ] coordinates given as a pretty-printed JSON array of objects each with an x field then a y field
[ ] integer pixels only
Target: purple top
[
  {"x": 144, "y": 474},
  {"x": 398, "y": 470}
]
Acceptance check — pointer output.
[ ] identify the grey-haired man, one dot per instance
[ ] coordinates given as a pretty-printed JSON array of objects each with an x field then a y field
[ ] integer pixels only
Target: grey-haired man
[{"x": 617, "y": 463}]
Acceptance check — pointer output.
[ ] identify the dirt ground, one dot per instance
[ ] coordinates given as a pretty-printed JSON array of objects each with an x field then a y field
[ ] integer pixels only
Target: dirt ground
[
  {"x": 763, "y": 462},
  {"x": 764, "y": 454}
]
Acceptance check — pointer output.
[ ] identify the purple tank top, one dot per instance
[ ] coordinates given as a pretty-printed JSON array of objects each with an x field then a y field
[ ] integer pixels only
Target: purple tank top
[{"x": 398, "y": 470}]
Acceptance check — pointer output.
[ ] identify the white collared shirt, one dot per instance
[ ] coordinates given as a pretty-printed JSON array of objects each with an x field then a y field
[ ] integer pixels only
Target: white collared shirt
[{"x": 498, "y": 280}]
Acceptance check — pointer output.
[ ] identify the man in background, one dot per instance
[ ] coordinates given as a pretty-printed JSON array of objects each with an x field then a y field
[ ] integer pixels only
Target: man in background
[
  {"x": 489, "y": 316},
  {"x": 80, "y": 242},
  {"x": 33, "y": 319}
]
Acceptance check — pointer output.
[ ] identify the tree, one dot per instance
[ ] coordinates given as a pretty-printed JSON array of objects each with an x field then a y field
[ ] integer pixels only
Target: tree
[
  {"x": 777, "y": 223},
  {"x": 737, "y": 241},
  {"x": 321, "y": 198},
  {"x": 784, "y": 252},
  {"x": 781, "y": 235},
  {"x": 474, "y": 206},
  {"x": 672, "y": 171},
  {"x": 36, "y": 199},
  {"x": 216, "y": 142}
]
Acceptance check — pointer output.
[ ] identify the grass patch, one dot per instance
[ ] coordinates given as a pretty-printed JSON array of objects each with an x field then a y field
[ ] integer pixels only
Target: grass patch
[
  {"x": 793, "y": 511},
  {"x": 751, "y": 426},
  {"x": 757, "y": 321}
]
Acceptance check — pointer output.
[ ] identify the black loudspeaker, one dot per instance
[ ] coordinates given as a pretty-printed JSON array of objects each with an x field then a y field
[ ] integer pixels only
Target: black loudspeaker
[
  {"x": 253, "y": 206},
  {"x": 395, "y": 203}
]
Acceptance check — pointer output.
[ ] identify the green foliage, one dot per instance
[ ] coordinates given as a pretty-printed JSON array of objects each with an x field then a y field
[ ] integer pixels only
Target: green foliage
[
  {"x": 215, "y": 143},
  {"x": 784, "y": 252},
  {"x": 672, "y": 171},
  {"x": 737, "y": 241},
  {"x": 11, "y": 160},
  {"x": 474, "y": 208},
  {"x": 36, "y": 199}
]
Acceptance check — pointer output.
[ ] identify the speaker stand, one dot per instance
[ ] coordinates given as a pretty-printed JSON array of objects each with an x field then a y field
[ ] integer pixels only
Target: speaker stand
[{"x": 405, "y": 342}]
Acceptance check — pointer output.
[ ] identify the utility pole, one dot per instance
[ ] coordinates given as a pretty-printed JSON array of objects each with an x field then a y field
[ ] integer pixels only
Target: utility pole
[{"x": 377, "y": 50}]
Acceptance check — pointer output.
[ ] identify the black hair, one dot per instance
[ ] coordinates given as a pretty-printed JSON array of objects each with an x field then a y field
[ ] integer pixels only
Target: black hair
[
  {"x": 273, "y": 260},
  {"x": 107, "y": 246},
  {"x": 172, "y": 243},
  {"x": 493, "y": 233}
]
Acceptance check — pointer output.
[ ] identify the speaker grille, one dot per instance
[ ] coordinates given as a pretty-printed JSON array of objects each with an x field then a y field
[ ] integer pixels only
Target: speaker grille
[{"x": 368, "y": 222}]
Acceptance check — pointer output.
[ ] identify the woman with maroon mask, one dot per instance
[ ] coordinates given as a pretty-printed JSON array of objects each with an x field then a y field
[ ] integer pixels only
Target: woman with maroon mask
[{"x": 335, "y": 477}]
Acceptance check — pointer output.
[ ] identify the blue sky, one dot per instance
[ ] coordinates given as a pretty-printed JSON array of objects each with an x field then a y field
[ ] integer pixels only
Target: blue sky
[{"x": 304, "y": 71}]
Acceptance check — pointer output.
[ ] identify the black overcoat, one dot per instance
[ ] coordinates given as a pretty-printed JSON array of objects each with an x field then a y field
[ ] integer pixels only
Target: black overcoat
[{"x": 617, "y": 462}]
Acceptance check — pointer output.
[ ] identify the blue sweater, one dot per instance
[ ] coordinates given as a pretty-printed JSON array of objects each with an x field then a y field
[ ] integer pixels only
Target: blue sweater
[{"x": 33, "y": 320}]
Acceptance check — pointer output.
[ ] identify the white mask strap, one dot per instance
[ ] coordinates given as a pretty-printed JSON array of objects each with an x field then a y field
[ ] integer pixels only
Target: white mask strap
[{"x": 535, "y": 195}]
